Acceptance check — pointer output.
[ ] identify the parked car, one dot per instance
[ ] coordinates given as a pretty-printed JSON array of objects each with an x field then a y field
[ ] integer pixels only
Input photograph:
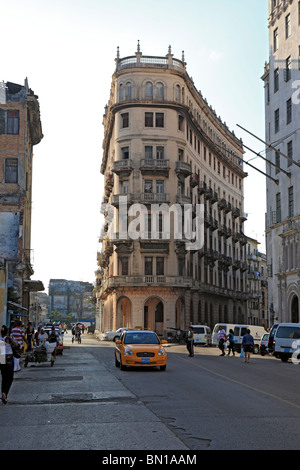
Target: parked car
[
  {"x": 60, "y": 345},
  {"x": 263, "y": 346},
  {"x": 202, "y": 335},
  {"x": 287, "y": 341},
  {"x": 112, "y": 335},
  {"x": 140, "y": 348}
]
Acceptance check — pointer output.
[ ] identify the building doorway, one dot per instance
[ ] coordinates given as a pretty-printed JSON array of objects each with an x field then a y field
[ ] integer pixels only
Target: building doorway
[{"x": 295, "y": 309}]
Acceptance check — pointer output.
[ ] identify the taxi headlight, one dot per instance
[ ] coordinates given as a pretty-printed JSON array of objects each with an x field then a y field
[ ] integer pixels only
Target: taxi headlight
[
  {"x": 127, "y": 352},
  {"x": 161, "y": 352}
]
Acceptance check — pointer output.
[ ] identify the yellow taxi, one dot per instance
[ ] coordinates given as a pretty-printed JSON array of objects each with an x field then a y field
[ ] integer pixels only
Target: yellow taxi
[{"x": 141, "y": 348}]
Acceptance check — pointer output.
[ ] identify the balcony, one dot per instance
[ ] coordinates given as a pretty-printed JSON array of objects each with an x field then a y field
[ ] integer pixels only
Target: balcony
[
  {"x": 202, "y": 188},
  {"x": 154, "y": 197},
  {"x": 236, "y": 212},
  {"x": 120, "y": 198},
  {"x": 154, "y": 166},
  {"x": 123, "y": 168},
  {"x": 194, "y": 180},
  {"x": 183, "y": 169}
]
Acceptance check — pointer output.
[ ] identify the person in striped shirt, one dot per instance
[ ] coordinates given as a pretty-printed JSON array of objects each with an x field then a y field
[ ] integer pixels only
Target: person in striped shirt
[
  {"x": 222, "y": 339},
  {"x": 18, "y": 334}
]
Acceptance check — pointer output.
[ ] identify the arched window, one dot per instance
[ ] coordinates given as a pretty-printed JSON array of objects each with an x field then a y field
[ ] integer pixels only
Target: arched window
[
  {"x": 121, "y": 92},
  {"x": 128, "y": 90},
  {"x": 149, "y": 91},
  {"x": 177, "y": 93},
  {"x": 160, "y": 91}
]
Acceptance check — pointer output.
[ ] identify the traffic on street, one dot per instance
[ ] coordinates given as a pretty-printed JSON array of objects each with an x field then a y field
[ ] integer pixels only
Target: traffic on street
[{"x": 204, "y": 402}]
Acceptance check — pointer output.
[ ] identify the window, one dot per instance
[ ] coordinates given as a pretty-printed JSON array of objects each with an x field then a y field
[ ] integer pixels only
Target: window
[
  {"x": 276, "y": 119},
  {"x": 125, "y": 153},
  {"x": 277, "y": 162},
  {"x": 148, "y": 266},
  {"x": 180, "y": 123},
  {"x": 160, "y": 91},
  {"x": 290, "y": 151},
  {"x": 288, "y": 68},
  {"x": 125, "y": 120},
  {"x": 13, "y": 122},
  {"x": 287, "y": 26},
  {"x": 291, "y": 201},
  {"x": 148, "y": 119},
  {"x": 128, "y": 90},
  {"x": 275, "y": 40},
  {"x": 148, "y": 152},
  {"x": 276, "y": 80},
  {"x": 160, "y": 153},
  {"x": 121, "y": 92},
  {"x": 148, "y": 186},
  {"x": 11, "y": 170},
  {"x": 124, "y": 266},
  {"x": 278, "y": 208},
  {"x": 159, "y": 121},
  {"x": 178, "y": 93},
  {"x": 289, "y": 111},
  {"x": 149, "y": 91},
  {"x": 160, "y": 187},
  {"x": 160, "y": 266}
]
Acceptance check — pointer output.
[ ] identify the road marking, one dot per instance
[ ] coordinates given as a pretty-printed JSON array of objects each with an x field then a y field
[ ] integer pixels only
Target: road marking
[{"x": 271, "y": 395}]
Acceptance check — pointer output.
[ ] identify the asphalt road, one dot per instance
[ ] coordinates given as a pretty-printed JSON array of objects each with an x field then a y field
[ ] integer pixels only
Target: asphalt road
[{"x": 202, "y": 403}]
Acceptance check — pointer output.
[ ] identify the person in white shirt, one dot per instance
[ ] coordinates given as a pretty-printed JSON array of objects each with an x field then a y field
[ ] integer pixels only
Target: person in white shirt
[
  {"x": 42, "y": 337},
  {"x": 7, "y": 362}
]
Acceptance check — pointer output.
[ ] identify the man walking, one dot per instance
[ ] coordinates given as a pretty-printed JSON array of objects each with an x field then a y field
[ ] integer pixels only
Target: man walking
[{"x": 222, "y": 339}]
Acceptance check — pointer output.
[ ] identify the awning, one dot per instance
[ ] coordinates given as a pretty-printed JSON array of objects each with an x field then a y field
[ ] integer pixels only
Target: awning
[
  {"x": 15, "y": 306},
  {"x": 33, "y": 286}
]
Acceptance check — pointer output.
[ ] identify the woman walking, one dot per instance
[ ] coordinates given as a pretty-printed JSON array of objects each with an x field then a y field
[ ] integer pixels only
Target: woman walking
[{"x": 7, "y": 363}]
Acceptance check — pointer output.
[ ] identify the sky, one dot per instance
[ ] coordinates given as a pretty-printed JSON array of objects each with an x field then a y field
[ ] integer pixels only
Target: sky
[{"x": 67, "y": 50}]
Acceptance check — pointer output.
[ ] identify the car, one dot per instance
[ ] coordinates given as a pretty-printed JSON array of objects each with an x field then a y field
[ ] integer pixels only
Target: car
[
  {"x": 202, "y": 335},
  {"x": 287, "y": 341},
  {"x": 60, "y": 345},
  {"x": 263, "y": 346},
  {"x": 140, "y": 348},
  {"x": 112, "y": 335}
]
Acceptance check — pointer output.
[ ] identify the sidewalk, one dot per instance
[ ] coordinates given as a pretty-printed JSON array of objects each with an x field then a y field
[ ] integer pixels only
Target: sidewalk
[{"x": 78, "y": 404}]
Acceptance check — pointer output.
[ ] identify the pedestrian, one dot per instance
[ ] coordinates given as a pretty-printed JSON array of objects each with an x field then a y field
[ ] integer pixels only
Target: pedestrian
[
  {"x": 231, "y": 342},
  {"x": 42, "y": 338},
  {"x": 29, "y": 336},
  {"x": 36, "y": 336},
  {"x": 18, "y": 335},
  {"x": 222, "y": 339},
  {"x": 6, "y": 362},
  {"x": 53, "y": 338},
  {"x": 190, "y": 342},
  {"x": 247, "y": 345}
]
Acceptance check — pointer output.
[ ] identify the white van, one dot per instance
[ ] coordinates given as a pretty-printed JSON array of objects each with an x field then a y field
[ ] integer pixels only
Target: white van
[
  {"x": 239, "y": 331},
  {"x": 287, "y": 340},
  {"x": 202, "y": 335}
]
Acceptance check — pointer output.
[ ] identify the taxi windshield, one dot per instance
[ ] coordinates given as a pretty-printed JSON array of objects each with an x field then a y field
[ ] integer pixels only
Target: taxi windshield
[{"x": 141, "y": 338}]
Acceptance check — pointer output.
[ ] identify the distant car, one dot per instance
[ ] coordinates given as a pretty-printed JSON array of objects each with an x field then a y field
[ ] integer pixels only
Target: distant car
[
  {"x": 60, "y": 345},
  {"x": 113, "y": 335},
  {"x": 202, "y": 335},
  {"x": 263, "y": 346},
  {"x": 140, "y": 348}
]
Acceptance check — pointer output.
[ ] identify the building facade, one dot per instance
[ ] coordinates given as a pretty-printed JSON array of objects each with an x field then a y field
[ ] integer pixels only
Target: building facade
[
  {"x": 164, "y": 146},
  {"x": 282, "y": 123},
  {"x": 20, "y": 131},
  {"x": 71, "y": 297},
  {"x": 257, "y": 285}
]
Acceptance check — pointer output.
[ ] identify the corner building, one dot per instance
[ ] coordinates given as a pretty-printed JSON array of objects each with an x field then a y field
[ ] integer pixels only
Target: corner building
[
  {"x": 163, "y": 144},
  {"x": 282, "y": 122}
]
